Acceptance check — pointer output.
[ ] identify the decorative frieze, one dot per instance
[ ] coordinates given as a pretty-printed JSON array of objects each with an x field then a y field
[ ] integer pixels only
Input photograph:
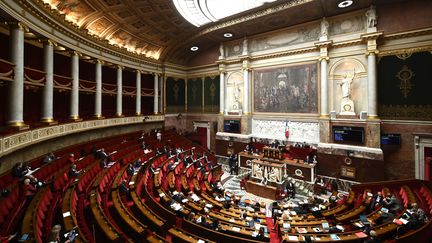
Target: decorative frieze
[
  {"x": 298, "y": 131},
  {"x": 16, "y": 141}
]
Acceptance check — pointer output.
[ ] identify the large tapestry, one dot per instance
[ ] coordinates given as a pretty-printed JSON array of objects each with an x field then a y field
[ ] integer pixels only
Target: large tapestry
[
  {"x": 194, "y": 95},
  {"x": 211, "y": 94},
  {"x": 175, "y": 95},
  {"x": 404, "y": 86},
  {"x": 291, "y": 89}
]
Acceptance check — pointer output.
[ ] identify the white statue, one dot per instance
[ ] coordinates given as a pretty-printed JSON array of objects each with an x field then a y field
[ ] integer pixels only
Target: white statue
[
  {"x": 346, "y": 85},
  {"x": 236, "y": 92},
  {"x": 347, "y": 105},
  {"x": 221, "y": 51},
  {"x": 324, "y": 27},
  {"x": 245, "y": 46},
  {"x": 371, "y": 17}
]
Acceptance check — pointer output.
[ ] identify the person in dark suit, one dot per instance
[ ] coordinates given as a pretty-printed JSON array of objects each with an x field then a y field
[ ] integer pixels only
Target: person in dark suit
[
  {"x": 73, "y": 172},
  {"x": 232, "y": 163}
]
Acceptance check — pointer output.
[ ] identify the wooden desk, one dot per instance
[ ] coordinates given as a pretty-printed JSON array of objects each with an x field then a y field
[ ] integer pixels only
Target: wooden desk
[
  {"x": 132, "y": 223},
  {"x": 261, "y": 190},
  {"x": 101, "y": 220},
  {"x": 144, "y": 210}
]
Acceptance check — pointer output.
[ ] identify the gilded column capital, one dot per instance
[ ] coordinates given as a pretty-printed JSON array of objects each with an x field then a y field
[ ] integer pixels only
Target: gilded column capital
[
  {"x": 47, "y": 41},
  {"x": 99, "y": 61},
  {"x": 325, "y": 58},
  {"x": 18, "y": 25},
  {"x": 120, "y": 67},
  {"x": 75, "y": 53}
]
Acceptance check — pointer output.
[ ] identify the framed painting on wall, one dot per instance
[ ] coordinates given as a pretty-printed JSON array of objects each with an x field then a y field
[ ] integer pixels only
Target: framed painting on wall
[{"x": 286, "y": 89}]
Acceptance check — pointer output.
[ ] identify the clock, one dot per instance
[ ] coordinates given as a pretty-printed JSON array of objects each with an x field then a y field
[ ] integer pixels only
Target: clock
[{"x": 347, "y": 107}]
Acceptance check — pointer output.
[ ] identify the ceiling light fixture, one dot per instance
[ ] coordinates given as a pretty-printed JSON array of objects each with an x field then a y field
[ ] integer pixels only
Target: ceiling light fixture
[
  {"x": 345, "y": 3},
  {"x": 194, "y": 48},
  {"x": 228, "y": 35}
]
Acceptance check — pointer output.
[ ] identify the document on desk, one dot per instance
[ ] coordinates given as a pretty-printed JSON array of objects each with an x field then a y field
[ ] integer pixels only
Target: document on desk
[
  {"x": 236, "y": 229},
  {"x": 292, "y": 237},
  {"x": 334, "y": 237},
  {"x": 66, "y": 214}
]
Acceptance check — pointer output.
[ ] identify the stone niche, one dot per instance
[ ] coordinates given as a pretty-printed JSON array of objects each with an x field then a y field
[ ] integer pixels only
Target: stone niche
[
  {"x": 339, "y": 71},
  {"x": 234, "y": 93}
]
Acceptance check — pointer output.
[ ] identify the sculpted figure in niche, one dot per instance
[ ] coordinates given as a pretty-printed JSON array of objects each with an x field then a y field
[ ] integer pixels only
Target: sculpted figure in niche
[
  {"x": 346, "y": 85},
  {"x": 245, "y": 46},
  {"x": 324, "y": 27},
  {"x": 371, "y": 17},
  {"x": 221, "y": 51}
]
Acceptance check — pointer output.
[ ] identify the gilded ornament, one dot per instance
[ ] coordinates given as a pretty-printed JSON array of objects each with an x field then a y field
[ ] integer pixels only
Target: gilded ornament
[{"x": 405, "y": 75}]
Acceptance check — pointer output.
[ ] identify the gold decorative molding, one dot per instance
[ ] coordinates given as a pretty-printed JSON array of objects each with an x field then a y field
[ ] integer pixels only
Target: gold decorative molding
[
  {"x": 405, "y": 51},
  {"x": 406, "y": 34},
  {"x": 241, "y": 19},
  {"x": 418, "y": 112},
  {"x": 405, "y": 75}
]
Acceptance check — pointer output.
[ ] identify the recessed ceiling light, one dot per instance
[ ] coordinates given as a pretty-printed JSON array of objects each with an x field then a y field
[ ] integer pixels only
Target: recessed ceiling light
[
  {"x": 345, "y": 3},
  {"x": 228, "y": 35},
  {"x": 194, "y": 48}
]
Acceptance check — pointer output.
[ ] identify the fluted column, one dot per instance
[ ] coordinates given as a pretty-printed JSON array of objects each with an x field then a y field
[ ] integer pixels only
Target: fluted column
[
  {"x": 156, "y": 94},
  {"x": 47, "y": 100},
  {"x": 372, "y": 86},
  {"x": 98, "y": 95},
  {"x": 246, "y": 91},
  {"x": 324, "y": 91},
  {"x": 16, "y": 88},
  {"x": 222, "y": 93},
  {"x": 138, "y": 93},
  {"x": 74, "y": 104},
  {"x": 119, "y": 109}
]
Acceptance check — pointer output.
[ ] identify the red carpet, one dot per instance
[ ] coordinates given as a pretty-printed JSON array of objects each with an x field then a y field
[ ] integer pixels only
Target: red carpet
[{"x": 274, "y": 237}]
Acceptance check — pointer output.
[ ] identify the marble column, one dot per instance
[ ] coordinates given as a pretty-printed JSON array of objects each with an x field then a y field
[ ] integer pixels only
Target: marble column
[
  {"x": 156, "y": 94},
  {"x": 324, "y": 87},
  {"x": 372, "y": 86},
  {"x": 119, "y": 110},
  {"x": 98, "y": 95},
  {"x": 47, "y": 100},
  {"x": 74, "y": 104},
  {"x": 16, "y": 87},
  {"x": 138, "y": 93},
  {"x": 246, "y": 91},
  {"x": 222, "y": 93}
]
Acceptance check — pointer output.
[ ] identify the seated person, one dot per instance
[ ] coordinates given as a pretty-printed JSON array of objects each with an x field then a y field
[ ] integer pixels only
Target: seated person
[
  {"x": 137, "y": 163},
  {"x": 49, "y": 158},
  {"x": 130, "y": 170},
  {"x": 20, "y": 170},
  {"x": 71, "y": 159},
  {"x": 103, "y": 163},
  {"x": 123, "y": 188},
  {"x": 27, "y": 190},
  {"x": 101, "y": 154},
  {"x": 73, "y": 172}
]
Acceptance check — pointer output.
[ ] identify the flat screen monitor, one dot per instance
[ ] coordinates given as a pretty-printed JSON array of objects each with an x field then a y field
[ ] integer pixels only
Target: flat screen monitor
[
  {"x": 348, "y": 135},
  {"x": 391, "y": 139},
  {"x": 232, "y": 126}
]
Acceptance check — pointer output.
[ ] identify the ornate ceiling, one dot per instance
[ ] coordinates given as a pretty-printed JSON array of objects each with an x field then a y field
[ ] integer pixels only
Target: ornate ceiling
[{"x": 156, "y": 30}]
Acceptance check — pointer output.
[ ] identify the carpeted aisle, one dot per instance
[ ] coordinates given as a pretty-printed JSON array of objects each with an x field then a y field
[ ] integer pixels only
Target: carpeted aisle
[{"x": 274, "y": 236}]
